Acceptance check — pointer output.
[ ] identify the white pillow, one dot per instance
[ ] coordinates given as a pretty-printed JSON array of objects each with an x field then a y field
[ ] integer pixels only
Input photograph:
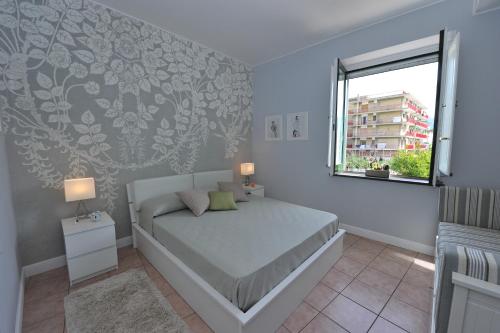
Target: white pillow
[
  {"x": 196, "y": 200},
  {"x": 157, "y": 206}
]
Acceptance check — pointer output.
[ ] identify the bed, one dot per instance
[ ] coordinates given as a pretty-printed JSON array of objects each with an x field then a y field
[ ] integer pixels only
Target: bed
[{"x": 242, "y": 271}]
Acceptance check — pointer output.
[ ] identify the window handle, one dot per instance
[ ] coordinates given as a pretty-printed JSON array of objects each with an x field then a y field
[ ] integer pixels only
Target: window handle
[{"x": 443, "y": 138}]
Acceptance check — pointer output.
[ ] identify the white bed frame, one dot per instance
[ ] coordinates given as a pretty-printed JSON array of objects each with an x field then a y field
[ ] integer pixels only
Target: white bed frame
[
  {"x": 475, "y": 304},
  {"x": 221, "y": 315},
  {"x": 475, "y": 307}
]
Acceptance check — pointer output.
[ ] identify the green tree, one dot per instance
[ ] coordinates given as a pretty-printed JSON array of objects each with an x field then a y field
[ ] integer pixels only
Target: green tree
[
  {"x": 356, "y": 162},
  {"x": 412, "y": 163}
]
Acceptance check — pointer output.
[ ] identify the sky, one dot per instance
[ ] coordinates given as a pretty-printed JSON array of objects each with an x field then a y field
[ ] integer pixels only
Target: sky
[{"x": 420, "y": 81}]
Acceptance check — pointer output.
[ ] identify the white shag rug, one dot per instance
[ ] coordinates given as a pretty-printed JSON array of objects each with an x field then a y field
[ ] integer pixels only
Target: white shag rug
[{"x": 125, "y": 303}]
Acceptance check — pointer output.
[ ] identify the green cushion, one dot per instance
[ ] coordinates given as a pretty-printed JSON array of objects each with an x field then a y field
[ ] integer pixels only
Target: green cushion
[{"x": 222, "y": 201}]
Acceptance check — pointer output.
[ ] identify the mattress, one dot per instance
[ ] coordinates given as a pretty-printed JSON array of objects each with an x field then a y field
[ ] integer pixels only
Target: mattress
[{"x": 244, "y": 253}]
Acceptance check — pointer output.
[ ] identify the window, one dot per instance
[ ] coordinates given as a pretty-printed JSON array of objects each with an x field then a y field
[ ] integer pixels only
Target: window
[{"x": 385, "y": 116}]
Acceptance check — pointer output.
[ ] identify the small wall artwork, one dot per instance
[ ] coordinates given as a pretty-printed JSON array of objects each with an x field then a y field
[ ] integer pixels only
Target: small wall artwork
[
  {"x": 274, "y": 128},
  {"x": 297, "y": 126}
]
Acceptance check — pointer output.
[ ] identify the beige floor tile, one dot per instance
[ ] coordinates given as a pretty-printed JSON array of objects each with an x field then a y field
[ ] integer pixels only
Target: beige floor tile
[
  {"x": 299, "y": 318},
  {"x": 50, "y": 325},
  {"x": 350, "y": 239},
  {"x": 126, "y": 251},
  {"x": 378, "y": 280},
  {"x": 400, "y": 255},
  {"x": 180, "y": 306},
  {"x": 282, "y": 329},
  {"x": 349, "y": 266},
  {"x": 41, "y": 289},
  {"x": 425, "y": 257},
  {"x": 360, "y": 255},
  {"x": 336, "y": 280},
  {"x": 406, "y": 316},
  {"x": 388, "y": 266},
  {"x": 398, "y": 249},
  {"x": 349, "y": 315},
  {"x": 369, "y": 245},
  {"x": 371, "y": 298},
  {"x": 165, "y": 287},
  {"x": 424, "y": 265},
  {"x": 152, "y": 271},
  {"x": 57, "y": 273},
  {"x": 320, "y": 296},
  {"x": 420, "y": 278},
  {"x": 131, "y": 261},
  {"x": 322, "y": 324},
  {"x": 40, "y": 310},
  {"x": 383, "y": 326},
  {"x": 197, "y": 325},
  {"x": 419, "y": 297}
]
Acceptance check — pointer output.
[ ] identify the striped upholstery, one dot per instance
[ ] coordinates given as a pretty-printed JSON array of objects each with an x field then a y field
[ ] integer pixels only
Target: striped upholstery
[
  {"x": 478, "y": 264},
  {"x": 469, "y": 250},
  {"x": 470, "y": 206}
]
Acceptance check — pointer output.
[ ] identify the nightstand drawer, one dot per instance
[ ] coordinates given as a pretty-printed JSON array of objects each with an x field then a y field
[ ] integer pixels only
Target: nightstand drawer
[
  {"x": 88, "y": 241},
  {"x": 92, "y": 263}
]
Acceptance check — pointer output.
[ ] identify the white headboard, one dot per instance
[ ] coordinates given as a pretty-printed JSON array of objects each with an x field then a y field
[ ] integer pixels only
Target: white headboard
[
  {"x": 209, "y": 179},
  {"x": 140, "y": 190}
]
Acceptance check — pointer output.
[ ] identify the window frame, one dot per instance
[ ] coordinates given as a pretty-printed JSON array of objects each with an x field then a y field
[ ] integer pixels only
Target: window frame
[{"x": 430, "y": 180}]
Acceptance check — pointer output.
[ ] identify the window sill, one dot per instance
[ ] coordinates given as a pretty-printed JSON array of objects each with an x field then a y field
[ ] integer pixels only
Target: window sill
[{"x": 391, "y": 178}]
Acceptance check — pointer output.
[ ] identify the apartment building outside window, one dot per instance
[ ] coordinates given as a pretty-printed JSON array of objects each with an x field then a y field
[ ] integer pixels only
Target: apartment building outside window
[{"x": 385, "y": 115}]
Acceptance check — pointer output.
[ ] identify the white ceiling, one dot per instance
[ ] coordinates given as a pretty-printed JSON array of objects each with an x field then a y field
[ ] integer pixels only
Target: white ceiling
[{"x": 256, "y": 31}]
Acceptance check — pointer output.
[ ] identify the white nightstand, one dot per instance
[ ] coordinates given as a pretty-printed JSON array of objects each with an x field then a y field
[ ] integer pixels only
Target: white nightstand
[
  {"x": 90, "y": 247},
  {"x": 255, "y": 190}
]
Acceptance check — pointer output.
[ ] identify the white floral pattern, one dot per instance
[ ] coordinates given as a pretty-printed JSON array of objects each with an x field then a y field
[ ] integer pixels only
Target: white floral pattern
[{"x": 112, "y": 93}]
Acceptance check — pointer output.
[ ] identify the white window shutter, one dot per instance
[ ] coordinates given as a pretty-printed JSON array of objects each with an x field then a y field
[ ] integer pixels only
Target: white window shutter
[
  {"x": 337, "y": 118},
  {"x": 447, "y": 103},
  {"x": 331, "y": 116}
]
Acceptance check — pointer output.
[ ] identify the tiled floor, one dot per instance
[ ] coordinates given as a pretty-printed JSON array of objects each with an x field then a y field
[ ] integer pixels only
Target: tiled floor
[
  {"x": 374, "y": 287},
  {"x": 44, "y": 295}
]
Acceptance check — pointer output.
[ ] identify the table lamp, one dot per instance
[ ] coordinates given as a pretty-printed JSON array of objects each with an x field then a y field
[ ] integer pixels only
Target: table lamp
[
  {"x": 247, "y": 169},
  {"x": 78, "y": 190}
]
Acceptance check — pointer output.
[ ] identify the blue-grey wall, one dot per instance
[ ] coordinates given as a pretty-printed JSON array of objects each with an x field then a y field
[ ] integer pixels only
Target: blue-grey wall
[
  {"x": 9, "y": 264},
  {"x": 295, "y": 171}
]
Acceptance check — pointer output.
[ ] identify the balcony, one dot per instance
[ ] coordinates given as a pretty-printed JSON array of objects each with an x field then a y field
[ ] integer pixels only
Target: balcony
[
  {"x": 378, "y": 146},
  {"x": 417, "y": 123},
  {"x": 417, "y": 135},
  {"x": 374, "y": 107},
  {"x": 370, "y": 133}
]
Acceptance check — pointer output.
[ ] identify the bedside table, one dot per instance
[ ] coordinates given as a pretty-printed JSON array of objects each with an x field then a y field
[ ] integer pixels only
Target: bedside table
[
  {"x": 256, "y": 190},
  {"x": 90, "y": 247}
]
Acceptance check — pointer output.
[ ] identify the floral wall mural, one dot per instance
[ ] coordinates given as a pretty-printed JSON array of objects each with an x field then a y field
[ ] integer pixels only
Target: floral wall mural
[{"x": 87, "y": 91}]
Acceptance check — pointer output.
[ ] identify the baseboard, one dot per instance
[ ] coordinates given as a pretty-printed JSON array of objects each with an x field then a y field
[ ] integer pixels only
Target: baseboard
[
  {"x": 53, "y": 263},
  {"x": 401, "y": 242},
  {"x": 20, "y": 304}
]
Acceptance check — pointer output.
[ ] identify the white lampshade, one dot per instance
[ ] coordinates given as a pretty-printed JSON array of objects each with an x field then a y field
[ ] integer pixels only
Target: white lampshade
[
  {"x": 247, "y": 169},
  {"x": 79, "y": 189}
]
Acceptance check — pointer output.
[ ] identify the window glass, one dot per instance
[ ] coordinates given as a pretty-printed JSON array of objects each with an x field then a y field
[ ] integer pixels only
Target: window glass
[{"x": 390, "y": 122}]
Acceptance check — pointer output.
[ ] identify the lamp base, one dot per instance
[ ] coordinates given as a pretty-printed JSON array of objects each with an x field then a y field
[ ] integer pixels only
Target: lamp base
[
  {"x": 247, "y": 180},
  {"x": 79, "y": 208}
]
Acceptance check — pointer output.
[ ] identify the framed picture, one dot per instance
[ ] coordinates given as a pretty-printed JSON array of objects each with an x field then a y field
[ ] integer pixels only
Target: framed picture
[
  {"x": 274, "y": 128},
  {"x": 297, "y": 127}
]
